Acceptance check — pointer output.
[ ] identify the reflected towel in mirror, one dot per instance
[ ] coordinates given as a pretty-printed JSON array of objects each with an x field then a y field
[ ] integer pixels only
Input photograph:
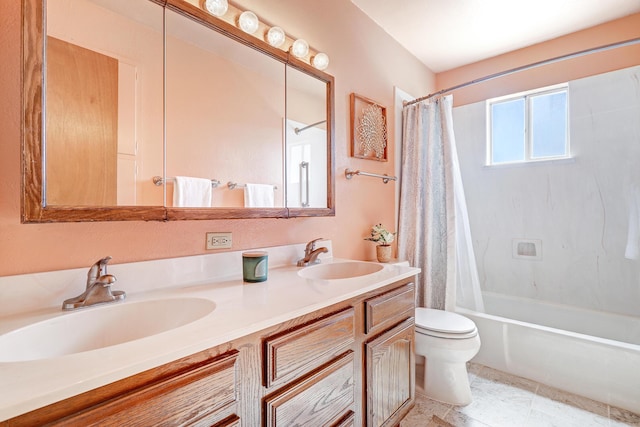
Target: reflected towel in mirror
[
  {"x": 259, "y": 196},
  {"x": 192, "y": 192}
]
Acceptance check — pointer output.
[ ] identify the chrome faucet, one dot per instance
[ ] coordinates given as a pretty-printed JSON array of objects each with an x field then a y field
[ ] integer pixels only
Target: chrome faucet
[
  {"x": 98, "y": 289},
  {"x": 311, "y": 254}
]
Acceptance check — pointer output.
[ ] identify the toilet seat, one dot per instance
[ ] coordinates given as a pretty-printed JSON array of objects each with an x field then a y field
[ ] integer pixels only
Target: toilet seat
[{"x": 444, "y": 324}]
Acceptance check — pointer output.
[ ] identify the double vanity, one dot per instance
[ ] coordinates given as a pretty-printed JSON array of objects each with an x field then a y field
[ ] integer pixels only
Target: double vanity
[{"x": 192, "y": 344}]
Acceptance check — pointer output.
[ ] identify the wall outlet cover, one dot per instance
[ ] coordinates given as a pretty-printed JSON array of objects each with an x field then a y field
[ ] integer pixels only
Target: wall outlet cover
[{"x": 219, "y": 241}]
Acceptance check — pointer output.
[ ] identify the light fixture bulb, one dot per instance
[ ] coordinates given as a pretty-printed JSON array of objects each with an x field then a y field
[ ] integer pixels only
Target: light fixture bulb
[
  {"x": 248, "y": 22},
  {"x": 216, "y": 7},
  {"x": 275, "y": 36},
  {"x": 300, "y": 48},
  {"x": 321, "y": 61}
]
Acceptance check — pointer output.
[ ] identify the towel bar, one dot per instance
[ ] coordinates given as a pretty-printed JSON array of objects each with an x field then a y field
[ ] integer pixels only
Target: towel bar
[{"x": 348, "y": 173}]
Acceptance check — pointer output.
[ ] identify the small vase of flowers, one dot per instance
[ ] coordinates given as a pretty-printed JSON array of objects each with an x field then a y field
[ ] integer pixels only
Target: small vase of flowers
[{"x": 383, "y": 238}]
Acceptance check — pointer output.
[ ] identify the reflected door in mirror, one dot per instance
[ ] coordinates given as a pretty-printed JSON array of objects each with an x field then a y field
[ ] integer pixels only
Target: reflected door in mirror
[
  {"x": 82, "y": 126},
  {"x": 307, "y": 141},
  {"x": 307, "y": 165}
]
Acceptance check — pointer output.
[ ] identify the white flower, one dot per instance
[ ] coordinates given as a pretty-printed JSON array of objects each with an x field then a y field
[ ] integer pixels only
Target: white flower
[{"x": 381, "y": 235}]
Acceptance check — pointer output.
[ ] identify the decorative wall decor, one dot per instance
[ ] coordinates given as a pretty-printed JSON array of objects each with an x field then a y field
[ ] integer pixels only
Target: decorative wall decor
[{"x": 368, "y": 129}]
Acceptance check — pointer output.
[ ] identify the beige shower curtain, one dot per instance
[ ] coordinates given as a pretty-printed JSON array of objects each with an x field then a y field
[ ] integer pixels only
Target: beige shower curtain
[{"x": 426, "y": 228}]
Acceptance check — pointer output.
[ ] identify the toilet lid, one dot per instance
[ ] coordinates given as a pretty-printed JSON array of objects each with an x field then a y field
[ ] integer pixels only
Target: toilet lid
[{"x": 443, "y": 321}]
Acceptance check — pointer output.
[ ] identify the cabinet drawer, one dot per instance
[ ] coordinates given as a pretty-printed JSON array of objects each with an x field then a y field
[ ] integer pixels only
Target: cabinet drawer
[
  {"x": 387, "y": 309},
  {"x": 174, "y": 401},
  {"x": 321, "y": 399},
  {"x": 292, "y": 354}
]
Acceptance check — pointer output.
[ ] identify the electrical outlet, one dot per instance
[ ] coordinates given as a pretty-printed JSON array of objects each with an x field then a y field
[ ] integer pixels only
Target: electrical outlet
[{"x": 219, "y": 240}]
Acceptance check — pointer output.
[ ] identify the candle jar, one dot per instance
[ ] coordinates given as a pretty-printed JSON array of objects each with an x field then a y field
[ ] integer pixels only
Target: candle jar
[{"x": 255, "y": 266}]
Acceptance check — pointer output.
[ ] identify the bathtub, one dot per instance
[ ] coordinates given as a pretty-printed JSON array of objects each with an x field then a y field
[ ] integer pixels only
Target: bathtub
[{"x": 589, "y": 353}]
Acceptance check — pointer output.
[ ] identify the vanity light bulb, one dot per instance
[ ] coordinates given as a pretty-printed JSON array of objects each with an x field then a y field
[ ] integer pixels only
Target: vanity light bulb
[
  {"x": 321, "y": 61},
  {"x": 275, "y": 36},
  {"x": 300, "y": 48},
  {"x": 216, "y": 7},
  {"x": 248, "y": 22}
]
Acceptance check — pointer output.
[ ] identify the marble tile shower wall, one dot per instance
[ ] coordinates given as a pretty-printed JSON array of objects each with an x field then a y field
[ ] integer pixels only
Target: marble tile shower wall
[{"x": 581, "y": 209}]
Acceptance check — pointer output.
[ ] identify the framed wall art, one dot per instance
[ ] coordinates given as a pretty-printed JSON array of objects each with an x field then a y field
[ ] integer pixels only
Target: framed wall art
[{"x": 368, "y": 129}]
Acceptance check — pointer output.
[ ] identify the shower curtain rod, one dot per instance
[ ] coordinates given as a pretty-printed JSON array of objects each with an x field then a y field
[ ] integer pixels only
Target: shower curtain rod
[
  {"x": 298, "y": 130},
  {"x": 527, "y": 67}
]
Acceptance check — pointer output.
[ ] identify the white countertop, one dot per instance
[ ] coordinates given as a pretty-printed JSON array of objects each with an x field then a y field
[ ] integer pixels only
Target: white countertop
[{"x": 241, "y": 309}]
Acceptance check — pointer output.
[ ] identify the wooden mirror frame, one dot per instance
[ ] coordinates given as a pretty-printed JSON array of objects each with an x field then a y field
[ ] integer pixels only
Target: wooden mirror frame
[{"x": 34, "y": 209}]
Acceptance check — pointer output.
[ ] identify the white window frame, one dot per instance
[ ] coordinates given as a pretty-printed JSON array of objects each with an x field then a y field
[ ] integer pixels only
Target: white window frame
[{"x": 527, "y": 96}]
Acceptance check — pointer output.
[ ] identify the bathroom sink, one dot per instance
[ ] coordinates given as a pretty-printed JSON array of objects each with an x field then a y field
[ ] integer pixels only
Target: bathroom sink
[
  {"x": 100, "y": 327},
  {"x": 340, "y": 270}
]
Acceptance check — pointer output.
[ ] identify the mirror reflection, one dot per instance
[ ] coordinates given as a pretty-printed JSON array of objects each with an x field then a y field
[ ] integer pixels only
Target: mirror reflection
[
  {"x": 306, "y": 136},
  {"x": 113, "y": 89},
  {"x": 225, "y": 113},
  {"x": 104, "y": 100}
]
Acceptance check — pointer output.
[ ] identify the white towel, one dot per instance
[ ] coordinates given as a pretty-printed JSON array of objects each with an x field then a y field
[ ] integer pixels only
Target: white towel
[
  {"x": 632, "y": 251},
  {"x": 259, "y": 196},
  {"x": 192, "y": 192}
]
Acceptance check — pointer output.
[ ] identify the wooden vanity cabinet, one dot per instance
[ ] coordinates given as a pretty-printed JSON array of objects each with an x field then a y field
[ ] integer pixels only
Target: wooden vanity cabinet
[{"x": 349, "y": 364}]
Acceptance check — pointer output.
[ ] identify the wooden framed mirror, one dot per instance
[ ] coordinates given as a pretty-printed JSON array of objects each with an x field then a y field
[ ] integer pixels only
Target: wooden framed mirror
[{"x": 97, "y": 144}]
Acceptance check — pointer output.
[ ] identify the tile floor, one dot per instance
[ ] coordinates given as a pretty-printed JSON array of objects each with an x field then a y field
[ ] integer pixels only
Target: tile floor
[{"x": 504, "y": 400}]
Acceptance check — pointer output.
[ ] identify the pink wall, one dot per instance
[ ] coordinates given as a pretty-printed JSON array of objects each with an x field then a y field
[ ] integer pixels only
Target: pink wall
[
  {"x": 614, "y": 31},
  {"x": 364, "y": 59}
]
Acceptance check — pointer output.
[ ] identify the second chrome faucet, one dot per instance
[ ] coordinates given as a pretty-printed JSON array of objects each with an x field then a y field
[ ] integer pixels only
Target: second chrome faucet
[{"x": 311, "y": 253}]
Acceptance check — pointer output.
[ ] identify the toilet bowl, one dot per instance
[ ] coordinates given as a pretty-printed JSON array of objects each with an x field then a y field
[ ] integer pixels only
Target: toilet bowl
[{"x": 447, "y": 341}]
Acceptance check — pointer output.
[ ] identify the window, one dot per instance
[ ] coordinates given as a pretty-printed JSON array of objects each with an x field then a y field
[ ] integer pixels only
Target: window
[{"x": 528, "y": 126}]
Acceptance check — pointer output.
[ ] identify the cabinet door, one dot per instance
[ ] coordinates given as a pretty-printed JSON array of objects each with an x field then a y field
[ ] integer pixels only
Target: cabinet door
[{"x": 390, "y": 375}]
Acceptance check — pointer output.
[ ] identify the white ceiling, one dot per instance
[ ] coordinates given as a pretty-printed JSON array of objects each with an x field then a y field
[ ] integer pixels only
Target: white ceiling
[{"x": 446, "y": 34}]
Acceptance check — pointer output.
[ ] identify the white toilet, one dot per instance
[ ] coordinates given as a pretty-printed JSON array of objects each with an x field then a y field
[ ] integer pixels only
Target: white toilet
[{"x": 448, "y": 341}]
